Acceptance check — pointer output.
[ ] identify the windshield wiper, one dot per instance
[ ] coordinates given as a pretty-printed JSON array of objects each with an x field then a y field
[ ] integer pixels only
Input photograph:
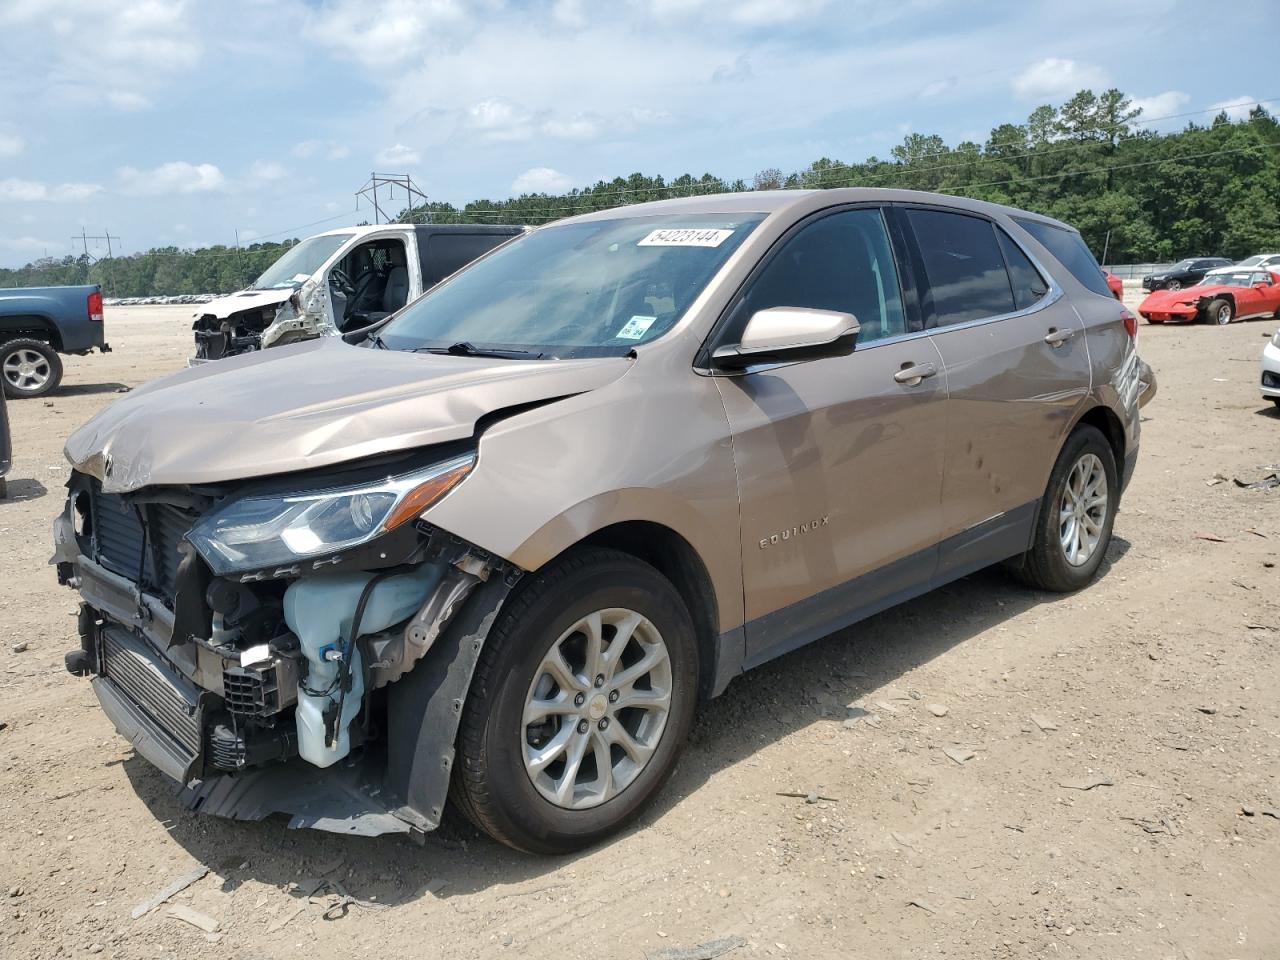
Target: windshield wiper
[{"x": 465, "y": 348}]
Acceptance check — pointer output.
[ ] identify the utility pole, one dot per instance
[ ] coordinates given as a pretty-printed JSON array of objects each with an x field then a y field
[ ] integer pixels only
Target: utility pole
[
  {"x": 85, "y": 238},
  {"x": 389, "y": 180}
]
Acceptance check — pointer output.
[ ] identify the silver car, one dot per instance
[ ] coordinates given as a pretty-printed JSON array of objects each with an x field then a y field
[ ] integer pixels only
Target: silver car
[{"x": 500, "y": 550}]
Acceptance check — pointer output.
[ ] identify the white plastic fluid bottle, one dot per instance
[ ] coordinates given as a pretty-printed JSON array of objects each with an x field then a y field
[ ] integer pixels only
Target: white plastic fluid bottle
[{"x": 319, "y": 610}]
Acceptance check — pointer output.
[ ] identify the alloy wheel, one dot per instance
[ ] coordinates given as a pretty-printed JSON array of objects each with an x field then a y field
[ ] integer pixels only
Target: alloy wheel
[
  {"x": 26, "y": 370},
  {"x": 596, "y": 708},
  {"x": 1223, "y": 316},
  {"x": 1173, "y": 285},
  {"x": 1082, "y": 510}
]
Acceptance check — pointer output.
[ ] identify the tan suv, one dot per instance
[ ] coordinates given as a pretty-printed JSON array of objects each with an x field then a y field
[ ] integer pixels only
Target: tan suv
[{"x": 499, "y": 550}]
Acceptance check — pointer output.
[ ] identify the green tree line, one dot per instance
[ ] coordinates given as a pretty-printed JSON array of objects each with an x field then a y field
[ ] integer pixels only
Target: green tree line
[{"x": 1205, "y": 190}]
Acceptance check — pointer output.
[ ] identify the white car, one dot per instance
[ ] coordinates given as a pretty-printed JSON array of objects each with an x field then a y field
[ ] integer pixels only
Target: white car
[
  {"x": 1271, "y": 369},
  {"x": 1263, "y": 261}
]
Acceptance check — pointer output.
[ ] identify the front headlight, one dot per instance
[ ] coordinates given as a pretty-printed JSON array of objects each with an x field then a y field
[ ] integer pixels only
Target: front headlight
[
  {"x": 257, "y": 532},
  {"x": 1275, "y": 339}
]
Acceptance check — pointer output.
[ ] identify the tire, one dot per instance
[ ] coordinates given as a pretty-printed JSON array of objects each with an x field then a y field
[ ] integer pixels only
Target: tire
[
  {"x": 1173, "y": 285},
  {"x": 1046, "y": 566},
  {"x": 1219, "y": 312},
  {"x": 496, "y": 784},
  {"x": 29, "y": 368}
]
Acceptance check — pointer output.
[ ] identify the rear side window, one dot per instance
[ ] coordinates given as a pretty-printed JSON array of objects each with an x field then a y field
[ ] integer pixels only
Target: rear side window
[
  {"x": 966, "y": 275},
  {"x": 1028, "y": 285},
  {"x": 1068, "y": 248},
  {"x": 447, "y": 253}
]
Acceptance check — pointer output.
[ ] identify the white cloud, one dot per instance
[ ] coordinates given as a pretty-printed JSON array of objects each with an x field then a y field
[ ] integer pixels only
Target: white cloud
[
  {"x": 177, "y": 176},
  {"x": 127, "y": 101},
  {"x": 331, "y": 149},
  {"x": 937, "y": 88},
  {"x": 381, "y": 32},
  {"x": 398, "y": 156},
  {"x": 580, "y": 127},
  {"x": 30, "y": 246},
  {"x": 15, "y": 189},
  {"x": 540, "y": 180},
  {"x": 749, "y": 13},
  {"x": 11, "y": 144},
  {"x": 266, "y": 171},
  {"x": 1237, "y": 108},
  {"x": 30, "y": 191},
  {"x": 569, "y": 13},
  {"x": 499, "y": 119},
  {"x": 737, "y": 71},
  {"x": 1160, "y": 105},
  {"x": 1054, "y": 79}
]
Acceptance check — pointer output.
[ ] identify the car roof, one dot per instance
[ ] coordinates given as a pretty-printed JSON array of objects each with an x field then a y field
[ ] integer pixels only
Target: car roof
[{"x": 777, "y": 201}]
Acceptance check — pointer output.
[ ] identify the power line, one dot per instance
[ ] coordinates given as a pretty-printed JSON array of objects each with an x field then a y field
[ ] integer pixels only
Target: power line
[
  {"x": 85, "y": 238},
  {"x": 389, "y": 180}
]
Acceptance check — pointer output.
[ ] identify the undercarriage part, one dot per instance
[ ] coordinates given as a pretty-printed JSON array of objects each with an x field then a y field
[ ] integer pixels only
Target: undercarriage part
[{"x": 232, "y": 749}]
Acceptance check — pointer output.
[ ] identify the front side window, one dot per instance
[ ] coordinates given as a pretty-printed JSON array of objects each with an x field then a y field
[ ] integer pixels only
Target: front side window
[
  {"x": 593, "y": 289},
  {"x": 840, "y": 262},
  {"x": 963, "y": 265}
]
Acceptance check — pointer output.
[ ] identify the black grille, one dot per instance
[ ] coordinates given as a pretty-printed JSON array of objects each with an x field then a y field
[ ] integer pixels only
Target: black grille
[
  {"x": 153, "y": 686},
  {"x": 1270, "y": 379},
  {"x": 118, "y": 535}
]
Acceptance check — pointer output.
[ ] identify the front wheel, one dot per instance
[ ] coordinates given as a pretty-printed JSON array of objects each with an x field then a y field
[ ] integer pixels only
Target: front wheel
[
  {"x": 581, "y": 702},
  {"x": 1173, "y": 285},
  {"x": 1219, "y": 312},
  {"x": 1073, "y": 529}
]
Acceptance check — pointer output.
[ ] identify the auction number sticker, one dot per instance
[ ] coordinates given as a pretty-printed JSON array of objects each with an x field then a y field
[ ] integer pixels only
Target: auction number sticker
[
  {"x": 686, "y": 237},
  {"x": 635, "y": 328}
]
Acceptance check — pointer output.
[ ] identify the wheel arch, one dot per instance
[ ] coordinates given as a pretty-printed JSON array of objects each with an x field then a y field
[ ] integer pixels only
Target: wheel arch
[
  {"x": 32, "y": 326},
  {"x": 1105, "y": 420}
]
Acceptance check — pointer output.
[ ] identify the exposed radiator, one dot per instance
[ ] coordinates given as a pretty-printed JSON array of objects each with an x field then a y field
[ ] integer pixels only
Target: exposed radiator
[{"x": 146, "y": 680}]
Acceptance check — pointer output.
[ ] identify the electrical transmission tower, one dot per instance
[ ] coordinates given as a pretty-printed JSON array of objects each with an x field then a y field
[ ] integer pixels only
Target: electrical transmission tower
[
  {"x": 84, "y": 239},
  {"x": 389, "y": 181}
]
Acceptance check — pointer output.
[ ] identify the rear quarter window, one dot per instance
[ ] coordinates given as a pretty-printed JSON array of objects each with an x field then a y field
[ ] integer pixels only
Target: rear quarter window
[{"x": 1069, "y": 249}]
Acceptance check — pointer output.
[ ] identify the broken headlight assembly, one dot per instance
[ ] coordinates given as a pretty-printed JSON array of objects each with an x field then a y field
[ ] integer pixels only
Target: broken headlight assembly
[{"x": 263, "y": 531}]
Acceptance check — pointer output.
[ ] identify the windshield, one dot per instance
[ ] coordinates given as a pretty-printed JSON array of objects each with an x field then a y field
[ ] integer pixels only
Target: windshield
[
  {"x": 593, "y": 289},
  {"x": 300, "y": 261},
  {"x": 1181, "y": 265},
  {"x": 1242, "y": 278},
  {"x": 1251, "y": 261}
]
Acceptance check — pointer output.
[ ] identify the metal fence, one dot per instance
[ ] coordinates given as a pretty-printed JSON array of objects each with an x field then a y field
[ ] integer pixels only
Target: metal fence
[{"x": 1135, "y": 271}]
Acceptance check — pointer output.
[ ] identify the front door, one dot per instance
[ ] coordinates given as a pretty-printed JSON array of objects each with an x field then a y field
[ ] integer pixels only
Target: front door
[{"x": 839, "y": 460}]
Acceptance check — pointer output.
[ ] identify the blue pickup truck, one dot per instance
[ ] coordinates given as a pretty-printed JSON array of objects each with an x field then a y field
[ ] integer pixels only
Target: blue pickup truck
[{"x": 37, "y": 324}]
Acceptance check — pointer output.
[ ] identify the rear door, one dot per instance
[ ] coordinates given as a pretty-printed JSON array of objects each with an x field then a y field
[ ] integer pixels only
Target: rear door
[
  {"x": 839, "y": 460},
  {"x": 1017, "y": 368}
]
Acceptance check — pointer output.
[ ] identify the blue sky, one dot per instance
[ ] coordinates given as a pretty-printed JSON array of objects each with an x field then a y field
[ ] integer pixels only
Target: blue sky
[{"x": 171, "y": 122}]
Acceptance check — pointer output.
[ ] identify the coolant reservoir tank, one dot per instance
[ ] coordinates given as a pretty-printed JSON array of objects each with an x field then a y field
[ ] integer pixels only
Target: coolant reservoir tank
[{"x": 319, "y": 610}]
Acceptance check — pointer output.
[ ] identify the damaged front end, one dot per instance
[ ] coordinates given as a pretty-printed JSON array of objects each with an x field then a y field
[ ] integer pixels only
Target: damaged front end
[
  {"x": 300, "y": 648},
  {"x": 258, "y": 319}
]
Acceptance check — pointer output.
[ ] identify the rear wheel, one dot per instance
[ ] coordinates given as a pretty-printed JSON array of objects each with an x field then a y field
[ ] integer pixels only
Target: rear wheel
[
  {"x": 29, "y": 368},
  {"x": 581, "y": 702},
  {"x": 1219, "y": 312},
  {"x": 1073, "y": 529}
]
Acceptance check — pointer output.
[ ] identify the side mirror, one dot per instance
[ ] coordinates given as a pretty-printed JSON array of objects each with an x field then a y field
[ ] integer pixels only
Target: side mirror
[{"x": 789, "y": 334}]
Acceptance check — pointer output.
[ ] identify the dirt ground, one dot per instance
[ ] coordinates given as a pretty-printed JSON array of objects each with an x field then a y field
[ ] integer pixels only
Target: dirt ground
[{"x": 1159, "y": 680}]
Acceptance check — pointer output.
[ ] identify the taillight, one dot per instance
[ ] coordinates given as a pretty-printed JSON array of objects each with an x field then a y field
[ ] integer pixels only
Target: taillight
[
  {"x": 95, "y": 306},
  {"x": 1130, "y": 323}
]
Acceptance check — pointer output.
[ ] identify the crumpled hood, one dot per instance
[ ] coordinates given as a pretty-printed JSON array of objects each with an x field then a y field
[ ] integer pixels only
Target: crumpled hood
[
  {"x": 1163, "y": 299},
  {"x": 309, "y": 405},
  {"x": 224, "y": 307}
]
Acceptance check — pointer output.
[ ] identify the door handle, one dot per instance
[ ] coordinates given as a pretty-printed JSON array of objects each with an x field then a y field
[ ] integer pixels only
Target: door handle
[
  {"x": 1056, "y": 337},
  {"x": 913, "y": 373}
]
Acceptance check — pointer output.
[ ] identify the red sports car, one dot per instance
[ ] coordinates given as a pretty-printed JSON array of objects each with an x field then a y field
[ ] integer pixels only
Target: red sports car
[
  {"x": 1115, "y": 284},
  {"x": 1225, "y": 294}
]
